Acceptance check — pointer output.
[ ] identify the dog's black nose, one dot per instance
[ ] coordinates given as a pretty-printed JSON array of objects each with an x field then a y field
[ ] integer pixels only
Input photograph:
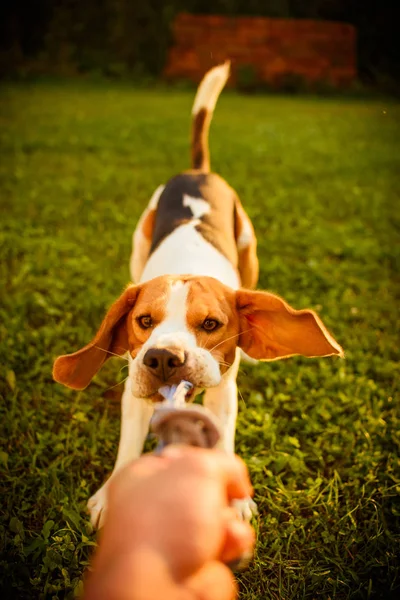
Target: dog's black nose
[{"x": 163, "y": 363}]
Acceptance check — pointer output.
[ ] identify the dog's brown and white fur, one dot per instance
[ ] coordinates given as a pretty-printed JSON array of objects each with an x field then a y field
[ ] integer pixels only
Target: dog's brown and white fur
[{"x": 189, "y": 313}]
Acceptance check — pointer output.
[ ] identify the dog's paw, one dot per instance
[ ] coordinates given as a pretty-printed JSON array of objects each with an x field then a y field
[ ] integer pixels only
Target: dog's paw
[
  {"x": 246, "y": 508},
  {"x": 97, "y": 506}
]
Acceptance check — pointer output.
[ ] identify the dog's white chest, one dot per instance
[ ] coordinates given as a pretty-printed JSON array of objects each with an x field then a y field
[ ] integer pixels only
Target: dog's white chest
[{"x": 186, "y": 252}]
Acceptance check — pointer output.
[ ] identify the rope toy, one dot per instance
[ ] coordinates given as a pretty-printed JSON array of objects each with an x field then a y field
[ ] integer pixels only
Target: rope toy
[{"x": 176, "y": 422}]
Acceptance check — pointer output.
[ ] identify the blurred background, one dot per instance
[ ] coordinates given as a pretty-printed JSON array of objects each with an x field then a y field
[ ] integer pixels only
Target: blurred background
[{"x": 125, "y": 38}]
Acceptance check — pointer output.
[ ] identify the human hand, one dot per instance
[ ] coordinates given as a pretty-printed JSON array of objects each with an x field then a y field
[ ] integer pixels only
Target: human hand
[{"x": 169, "y": 528}]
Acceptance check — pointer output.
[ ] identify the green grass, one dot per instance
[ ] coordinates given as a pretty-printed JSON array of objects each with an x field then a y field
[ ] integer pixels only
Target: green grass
[{"x": 320, "y": 178}]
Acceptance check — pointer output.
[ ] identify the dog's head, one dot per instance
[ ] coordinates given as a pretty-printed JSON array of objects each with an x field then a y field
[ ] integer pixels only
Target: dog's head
[{"x": 187, "y": 327}]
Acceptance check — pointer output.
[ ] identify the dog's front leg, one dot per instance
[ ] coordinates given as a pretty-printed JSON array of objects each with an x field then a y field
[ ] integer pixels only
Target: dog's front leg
[
  {"x": 223, "y": 403},
  {"x": 135, "y": 418}
]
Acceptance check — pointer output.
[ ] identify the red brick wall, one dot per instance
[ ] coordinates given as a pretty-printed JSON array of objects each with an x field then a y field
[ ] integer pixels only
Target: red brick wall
[{"x": 271, "y": 48}]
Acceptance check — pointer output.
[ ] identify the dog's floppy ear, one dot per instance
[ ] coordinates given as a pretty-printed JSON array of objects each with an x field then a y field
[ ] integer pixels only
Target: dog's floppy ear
[
  {"x": 77, "y": 370},
  {"x": 271, "y": 329}
]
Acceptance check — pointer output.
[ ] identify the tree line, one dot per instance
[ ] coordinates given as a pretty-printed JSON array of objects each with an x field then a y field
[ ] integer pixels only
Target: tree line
[{"x": 117, "y": 37}]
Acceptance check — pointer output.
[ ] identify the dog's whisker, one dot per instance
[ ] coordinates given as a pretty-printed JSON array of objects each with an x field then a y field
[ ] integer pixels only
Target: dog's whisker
[
  {"x": 114, "y": 353},
  {"x": 241, "y": 396},
  {"x": 205, "y": 345},
  {"x": 223, "y": 341},
  {"x": 224, "y": 364},
  {"x": 230, "y": 338},
  {"x": 117, "y": 384}
]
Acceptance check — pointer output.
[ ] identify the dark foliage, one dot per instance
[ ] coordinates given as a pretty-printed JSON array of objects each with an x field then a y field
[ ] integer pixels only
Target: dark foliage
[{"x": 116, "y": 37}]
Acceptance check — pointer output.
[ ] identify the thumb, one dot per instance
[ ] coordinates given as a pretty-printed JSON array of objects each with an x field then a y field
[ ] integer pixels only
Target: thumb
[{"x": 239, "y": 540}]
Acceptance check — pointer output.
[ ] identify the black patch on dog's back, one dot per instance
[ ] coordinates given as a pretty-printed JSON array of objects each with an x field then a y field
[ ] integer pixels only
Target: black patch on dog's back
[{"x": 171, "y": 213}]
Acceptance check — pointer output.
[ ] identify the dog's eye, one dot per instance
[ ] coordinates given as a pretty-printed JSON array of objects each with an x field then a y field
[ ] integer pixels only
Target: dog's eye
[
  {"x": 145, "y": 322},
  {"x": 210, "y": 324}
]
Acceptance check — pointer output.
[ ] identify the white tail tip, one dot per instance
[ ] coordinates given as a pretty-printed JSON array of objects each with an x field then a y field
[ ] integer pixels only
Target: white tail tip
[{"x": 210, "y": 87}]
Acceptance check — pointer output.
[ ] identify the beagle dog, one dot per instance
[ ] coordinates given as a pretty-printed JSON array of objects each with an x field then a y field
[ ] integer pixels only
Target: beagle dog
[{"x": 191, "y": 310}]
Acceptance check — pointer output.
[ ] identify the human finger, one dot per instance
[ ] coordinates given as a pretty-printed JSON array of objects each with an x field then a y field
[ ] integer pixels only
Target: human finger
[
  {"x": 213, "y": 582},
  {"x": 239, "y": 540}
]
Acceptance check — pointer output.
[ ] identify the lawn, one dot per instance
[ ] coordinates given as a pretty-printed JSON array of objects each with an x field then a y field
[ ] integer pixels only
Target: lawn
[{"x": 320, "y": 178}]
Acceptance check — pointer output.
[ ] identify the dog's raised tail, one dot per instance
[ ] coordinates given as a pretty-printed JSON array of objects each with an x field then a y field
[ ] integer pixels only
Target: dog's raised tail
[{"x": 202, "y": 111}]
